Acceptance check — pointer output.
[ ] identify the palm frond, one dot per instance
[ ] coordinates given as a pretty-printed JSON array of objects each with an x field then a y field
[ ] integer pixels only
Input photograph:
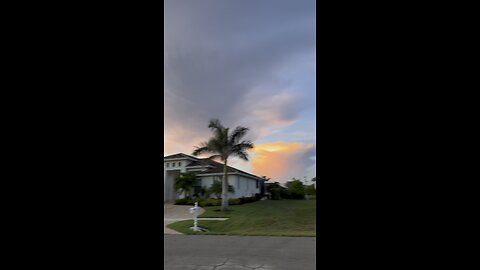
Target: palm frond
[
  {"x": 241, "y": 154},
  {"x": 215, "y": 157},
  {"x": 238, "y": 134},
  {"x": 215, "y": 145},
  {"x": 244, "y": 145},
  {"x": 215, "y": 124},
  {"x": 240, "y": 149},
  {"x": 199, "y": 150}
]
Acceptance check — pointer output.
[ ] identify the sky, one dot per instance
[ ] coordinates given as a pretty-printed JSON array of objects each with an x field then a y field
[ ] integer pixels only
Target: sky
[{"x": 248, "y": 63}]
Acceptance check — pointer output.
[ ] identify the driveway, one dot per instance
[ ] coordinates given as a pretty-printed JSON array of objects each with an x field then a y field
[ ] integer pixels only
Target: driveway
[
  {"x": 219, "y": 252},
  {"x": 173, "y": 213}
]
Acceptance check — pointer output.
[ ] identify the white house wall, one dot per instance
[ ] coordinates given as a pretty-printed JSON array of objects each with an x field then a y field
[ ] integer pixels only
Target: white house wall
[
  {"x": 244, "y": 186},
  {"x": 177, "y": 167},
  {"x": 168, "y": 181},
  {"x": 207, "y": 181}
]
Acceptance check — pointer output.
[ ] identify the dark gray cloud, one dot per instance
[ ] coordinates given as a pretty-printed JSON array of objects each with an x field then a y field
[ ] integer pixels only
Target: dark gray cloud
[{"x": 231, "y": 59}]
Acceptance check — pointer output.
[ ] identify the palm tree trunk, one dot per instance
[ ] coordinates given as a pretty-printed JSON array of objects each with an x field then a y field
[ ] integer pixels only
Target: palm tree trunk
[{"x": 225, "y": 188}]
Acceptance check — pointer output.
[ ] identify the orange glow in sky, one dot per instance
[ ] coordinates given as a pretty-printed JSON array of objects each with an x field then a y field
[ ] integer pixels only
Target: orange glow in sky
[{"x": 280, "y": 160}]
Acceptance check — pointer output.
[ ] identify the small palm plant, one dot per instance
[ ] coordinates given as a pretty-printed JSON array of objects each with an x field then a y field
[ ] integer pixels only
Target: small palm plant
[
  {"x": 225, "y": 144},
  {"x": 185, "y": 183},
  {"x": 216, "y": 189}
]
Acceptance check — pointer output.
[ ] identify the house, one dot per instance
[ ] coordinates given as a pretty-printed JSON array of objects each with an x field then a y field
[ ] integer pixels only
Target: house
[
  {"x": 207, "y": 171},
  {"x": 275, "y": 184}
]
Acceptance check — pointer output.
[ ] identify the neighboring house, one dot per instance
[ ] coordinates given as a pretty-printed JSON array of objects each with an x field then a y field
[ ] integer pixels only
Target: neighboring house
[
  {"x": 267, "y": 185},
  {"x": 207, "y": 171},
  {"x": 275, "y": 183}
]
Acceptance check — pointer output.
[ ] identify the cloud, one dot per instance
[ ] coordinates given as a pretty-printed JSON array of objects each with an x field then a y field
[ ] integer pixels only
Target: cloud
[
  {"x": 219, "y": 57},
  {"x": 247, "y": 63},
  {"x": 282, "y": 161}
]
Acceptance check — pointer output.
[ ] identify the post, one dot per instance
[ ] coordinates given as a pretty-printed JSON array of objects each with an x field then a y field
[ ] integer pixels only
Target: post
[
  {"x": 194, "y": 211},
  {"x": 195, "y": 221}
]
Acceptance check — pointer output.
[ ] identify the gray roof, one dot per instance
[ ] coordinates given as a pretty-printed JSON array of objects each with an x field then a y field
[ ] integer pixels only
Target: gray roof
[
  {"x": 179, "y": 155},
  {"x": 216, "y": 167}
]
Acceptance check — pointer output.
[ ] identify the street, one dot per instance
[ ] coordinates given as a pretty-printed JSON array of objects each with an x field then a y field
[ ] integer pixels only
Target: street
[{"x": 212, "y": 252}]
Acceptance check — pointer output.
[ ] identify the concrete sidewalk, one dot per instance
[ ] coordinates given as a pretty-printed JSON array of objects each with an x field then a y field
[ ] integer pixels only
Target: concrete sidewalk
[
  {"x": 179, "y": 211},
  {"x": 173, "y": 213}
]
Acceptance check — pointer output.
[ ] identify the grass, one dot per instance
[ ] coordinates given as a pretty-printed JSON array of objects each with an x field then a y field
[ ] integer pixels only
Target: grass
[{"x": 262, "y": 218}]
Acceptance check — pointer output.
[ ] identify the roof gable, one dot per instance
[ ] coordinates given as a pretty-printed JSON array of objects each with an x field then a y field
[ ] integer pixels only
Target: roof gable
[
  {"x": 180, "y": 156},
  {"x": 211, "y": 166},
  {"x": 216, "y": 167}
]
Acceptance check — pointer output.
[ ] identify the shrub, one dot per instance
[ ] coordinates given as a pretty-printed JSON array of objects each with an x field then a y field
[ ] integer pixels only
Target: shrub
[
  {"x": 310, "y": 190},
  {"x": 275, "y": 193},
  {"x": 234, "y": 201},
  {"x": 216, "y": 189},
  {"x": 203, "y": 203},
  {"x": 216, "y": 202},
  {"x": 255, "y": 198},
  {"x": 200, "y": 201},
  {"x": 285, "y": 194},
  {"x": 244, "y": 200},
  {"x": 180, "y": 202},
  {"x": 209, "y": 202},
  {"x": 185, "y": 201}
]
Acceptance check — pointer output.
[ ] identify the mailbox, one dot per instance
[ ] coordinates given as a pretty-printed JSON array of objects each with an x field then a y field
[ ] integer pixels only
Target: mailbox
[{"x": 194, "y": 211}]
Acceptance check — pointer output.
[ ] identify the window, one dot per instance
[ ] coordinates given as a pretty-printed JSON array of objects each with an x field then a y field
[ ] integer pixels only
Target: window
[
  {"x": 173, "y": 164},
  {"x": 257, "y": 183},
  {"x": 179, "y": 164},
  {"x": 168, "y": 164}
]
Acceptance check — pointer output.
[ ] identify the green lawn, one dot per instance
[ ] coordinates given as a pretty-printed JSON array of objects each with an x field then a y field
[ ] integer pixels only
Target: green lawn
[{"x": 270, "y": 218}]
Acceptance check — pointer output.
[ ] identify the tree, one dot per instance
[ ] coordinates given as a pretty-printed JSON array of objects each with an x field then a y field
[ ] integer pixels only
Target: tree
[
  {"x": 296, "y": 189},
  {"x": 289, "y": 183},
  {"x": 216, "y": 189},
  {"x": 224, "y": 145},
  {"x": 275, "y": 190},
  {"x": 185, "y": 182},
  {"x": 310, "y": 190}
]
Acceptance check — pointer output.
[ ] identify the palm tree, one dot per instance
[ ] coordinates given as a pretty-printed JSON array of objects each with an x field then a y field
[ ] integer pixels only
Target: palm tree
[
  {"x": 185, "y": 182},
  {"x": 223, "y": 145}
]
